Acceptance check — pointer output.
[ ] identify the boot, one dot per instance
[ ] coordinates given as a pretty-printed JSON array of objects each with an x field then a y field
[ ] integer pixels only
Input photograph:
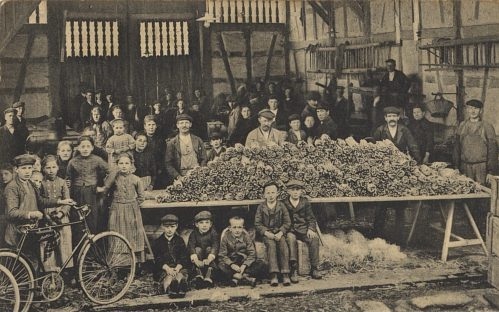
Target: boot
[
  {"x": 314, "y": 273},
  {"x": 182, "y": 288},
  {"x": 198, "y": 280},
  {"x": 294, "y": 273},
  {"x": 251, "y": 281},
  {"x": 273, "y": 280},
  {"x": 173, "y": 289},
  {"x": 208, "y": 282},
  {"x": 285, "y": 279}
]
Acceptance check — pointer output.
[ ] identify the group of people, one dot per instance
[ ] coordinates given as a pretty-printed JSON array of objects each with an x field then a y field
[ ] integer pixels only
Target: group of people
[{"x": 231, "y": 257}]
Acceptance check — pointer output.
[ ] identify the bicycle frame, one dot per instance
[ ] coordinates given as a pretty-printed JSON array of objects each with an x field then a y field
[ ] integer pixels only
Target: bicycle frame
[{"x": 86, "y": 237}]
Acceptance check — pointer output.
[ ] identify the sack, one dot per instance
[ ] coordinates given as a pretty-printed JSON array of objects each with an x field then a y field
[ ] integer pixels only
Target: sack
[{"x": 439, "y": 107}]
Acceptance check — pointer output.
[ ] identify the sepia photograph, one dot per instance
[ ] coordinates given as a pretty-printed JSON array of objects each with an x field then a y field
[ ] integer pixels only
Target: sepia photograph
[{"x": 249, "y": 155}]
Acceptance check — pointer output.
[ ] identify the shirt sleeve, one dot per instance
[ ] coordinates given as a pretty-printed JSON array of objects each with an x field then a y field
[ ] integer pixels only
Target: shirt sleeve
[
  {"x": 13, "y": 203},
  {"x": 216, "y": 243},
  {"x": 223, "y": 253},
  {"x": 139, "y": 186},
  {"x": 251, "y": 251},
  {"x": 260, "y": 227},
  {"x": 286, "y": 219}
]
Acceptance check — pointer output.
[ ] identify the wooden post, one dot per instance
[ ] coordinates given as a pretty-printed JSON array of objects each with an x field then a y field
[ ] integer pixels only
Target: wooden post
[
  {"x": 225, "y": 59},
  {"x": 249, "y": 58},
  {"x": 460, "y": 88},
  {"x": 21, "y": 78},
  {"x": 287, "y": 30},
  {"x": 448, "y": 230},
  {"x": 270, "y": 55}
]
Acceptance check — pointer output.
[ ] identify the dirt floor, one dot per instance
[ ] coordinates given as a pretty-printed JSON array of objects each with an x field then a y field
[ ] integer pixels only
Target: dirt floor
[{"x": 465, "y": 271}]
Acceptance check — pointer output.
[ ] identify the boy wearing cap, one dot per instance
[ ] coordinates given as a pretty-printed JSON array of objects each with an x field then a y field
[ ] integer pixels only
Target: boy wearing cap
[
  {"x": 295, "y": 134},
  {"x": 326, "y": 125},
  {"x": 203, "y": 249},
  {"x": 216, "y": 146},
  {"x": 156, "y": 145},
  {"x": 303, "y": 227},
  {"x": 265, "y": 135},
  {"x": 237, "y": 260},
  {"x": 171, "y": 258},
  {"x": 23, "y": 201},
  {"x": 22, "y": 131},
  {"x": 185, "y": 151},
  {"x": 312, "y": 98},
  {"x": 272, "y": 222}
]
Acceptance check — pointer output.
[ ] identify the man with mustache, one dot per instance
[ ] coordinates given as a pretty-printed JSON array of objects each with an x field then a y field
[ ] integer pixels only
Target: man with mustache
[
  {"x": 399, "y": 134},
  {"x": 185, "y": 151},
  {"x": 402, "y": 138},
  {"x": 265, "y": 135}
]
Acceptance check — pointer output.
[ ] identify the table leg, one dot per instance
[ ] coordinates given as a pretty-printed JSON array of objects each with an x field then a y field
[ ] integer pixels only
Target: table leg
[
  {"x": 448, "y": 229},
  {"x": 352, "y": 212},
  {"x": 418, "y": 208},
  {"x": 475, "y": 228}
]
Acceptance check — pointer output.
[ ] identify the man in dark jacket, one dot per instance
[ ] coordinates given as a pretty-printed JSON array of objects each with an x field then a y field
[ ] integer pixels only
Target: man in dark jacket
[
  {"x": 394, "y": 86},
  {"x": 86, "y": 108},
  {"x": 422, "y": 130},
  {"x": 341, "y": 112},
  {"x": 326, "y": 124},
  {"x": 185, "y": 151},
  {"x": 281, "y": 116},
  {"x": 8, "y": 137},
  {"x": 399, "y": 134},
  {"x": 312, "y": 98}
]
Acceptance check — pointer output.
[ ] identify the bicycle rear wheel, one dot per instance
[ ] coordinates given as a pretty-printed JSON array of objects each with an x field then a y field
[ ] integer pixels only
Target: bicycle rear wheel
[
  {"x": 10, "y": 299},
  {"x": 23, "y": 273},
  {"x": 106, "y": 267}
]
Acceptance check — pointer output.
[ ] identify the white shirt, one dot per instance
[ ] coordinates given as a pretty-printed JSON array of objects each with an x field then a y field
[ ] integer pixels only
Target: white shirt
[
  {"x": 275, "y": 114},
  {"x": 391, "y": 75},
  {"x": 298, "y": 134},
  {"x": 294, "y": 202},
  {"x": 393, "y": 131}
]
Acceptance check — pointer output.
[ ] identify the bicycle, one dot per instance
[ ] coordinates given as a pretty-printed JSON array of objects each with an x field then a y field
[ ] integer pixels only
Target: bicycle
[
  {"x": 9, "y": 291},
  {"x": 105, "y": 263}
]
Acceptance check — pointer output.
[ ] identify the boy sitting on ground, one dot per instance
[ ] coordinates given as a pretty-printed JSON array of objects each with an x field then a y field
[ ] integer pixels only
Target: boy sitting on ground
[
  {"x": 237, "y": 256},
  {"x": 171, "y": 258},
  {"x": 303, "y": 227},
  {"x": 203, "y": 248}
]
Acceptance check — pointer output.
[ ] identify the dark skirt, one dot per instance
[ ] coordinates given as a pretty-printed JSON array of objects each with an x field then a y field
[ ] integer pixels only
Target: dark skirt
[{"x": 87, "y": 195}]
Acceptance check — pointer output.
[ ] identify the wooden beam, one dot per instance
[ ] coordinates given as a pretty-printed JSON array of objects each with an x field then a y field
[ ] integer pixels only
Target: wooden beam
[
  {"x": 320, "y": 11},
  {"x": 225, "y": 58},
  {"x": 24, "y": 66},
  {"x": 269, "y": 60},
  {"x": 286, "y": 39},
  {"x": 249, "y": 58}
]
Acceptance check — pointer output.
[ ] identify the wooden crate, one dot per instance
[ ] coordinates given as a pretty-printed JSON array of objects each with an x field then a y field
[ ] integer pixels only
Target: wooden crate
[
  {"x": 494, "y": 196},
  {"x": 492, "y": 239},
  {"x": 303, "y": 258},
  {"x": 493, "y": 271}
]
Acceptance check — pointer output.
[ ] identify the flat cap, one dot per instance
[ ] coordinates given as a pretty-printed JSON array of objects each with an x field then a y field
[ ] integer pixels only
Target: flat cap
[
  {"x": 149, "y": 118},
  {"x": 313, "y": 95},
  {"x": 294, "y": 117},
  {"x": 184, "y": 117},
  {"x": 18, "y": 104},
  {"x": 23, "y": 160},
  {"x": 203, "y": 215},
  {"x": 322, "y": 105},
  {"x": 117, "y": 120},
  {"x": 295, "y": 184},
  {"x": 391, "y": 110},
  {"x": 390, "y": 60},
  {"x": 475, "y": 103},
  {"x": 215, "y": 136},
  {"x": 9, "y": 110},
  {"x": 169, "y": 219},
  {"x": 267, "y": 113}
]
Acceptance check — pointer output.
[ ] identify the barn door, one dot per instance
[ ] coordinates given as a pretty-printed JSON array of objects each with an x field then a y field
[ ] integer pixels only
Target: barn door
[
  {"x": 244, "y": 53},
  {"x": 168, "y": 49}
]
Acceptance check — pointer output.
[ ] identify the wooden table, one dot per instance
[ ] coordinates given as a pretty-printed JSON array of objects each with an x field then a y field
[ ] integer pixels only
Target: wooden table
[{"x": 446, "y": 203}]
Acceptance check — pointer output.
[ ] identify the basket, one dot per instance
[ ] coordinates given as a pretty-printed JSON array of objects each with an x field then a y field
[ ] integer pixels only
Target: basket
[{"x": 439, "y": 107}]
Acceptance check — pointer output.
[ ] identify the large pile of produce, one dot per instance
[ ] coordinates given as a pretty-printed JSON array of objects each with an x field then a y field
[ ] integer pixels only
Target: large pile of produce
[
  {"x": 341, "y": 168},
  {"x": 351, "y": 252}
]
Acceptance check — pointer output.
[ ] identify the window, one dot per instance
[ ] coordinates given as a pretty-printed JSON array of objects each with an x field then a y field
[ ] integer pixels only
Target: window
[
  {"x": 92, "y": 38},
  {"x": 164, "y": 38}
]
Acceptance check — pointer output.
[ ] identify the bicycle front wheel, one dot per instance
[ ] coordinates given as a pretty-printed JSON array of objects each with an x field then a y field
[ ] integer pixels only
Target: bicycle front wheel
[
  {"x": 106, "y": 267},
  {"x": 23, "y": 273},
  {"x": 10, "y": 299}
]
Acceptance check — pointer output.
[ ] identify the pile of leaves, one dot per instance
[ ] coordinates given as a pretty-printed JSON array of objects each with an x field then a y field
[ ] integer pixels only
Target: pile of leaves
[
  {"x": 329, "y": 168},
  {"x": 351, "y": 252}
]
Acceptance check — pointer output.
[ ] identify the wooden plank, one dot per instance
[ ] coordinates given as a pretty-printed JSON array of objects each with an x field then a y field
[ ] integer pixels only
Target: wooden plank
[
  {"x": 270, "y": 55},
  {"x": 225, "y": 58},
  {"x": 249, "y": 58},
  {"x": 150, "y": 203},
  {"x": 448, "y": 231},
  {"x": 320, "y": 11},
  {"x": 24, "y": 67},
  {"x": 465, "y": 41}
]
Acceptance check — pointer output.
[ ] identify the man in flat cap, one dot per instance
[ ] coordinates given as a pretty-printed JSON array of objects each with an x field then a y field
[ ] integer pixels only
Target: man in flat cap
[
  {"x": 475, "y": 152},
  {"x": 185, "y": 151},
  {"x": 265, "y": 135},
  {"x": 22, "y": 131},
  {"x": 281, "y": 116},
  {"x": 394, "y": 86},
  {"x": 326, "y": 125},
  {"x": 8, "y": 137},
  {"x": 475, "y": 149},
  {"x": 402, "y": 138},
  {"x": 312, "y": 98}
]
